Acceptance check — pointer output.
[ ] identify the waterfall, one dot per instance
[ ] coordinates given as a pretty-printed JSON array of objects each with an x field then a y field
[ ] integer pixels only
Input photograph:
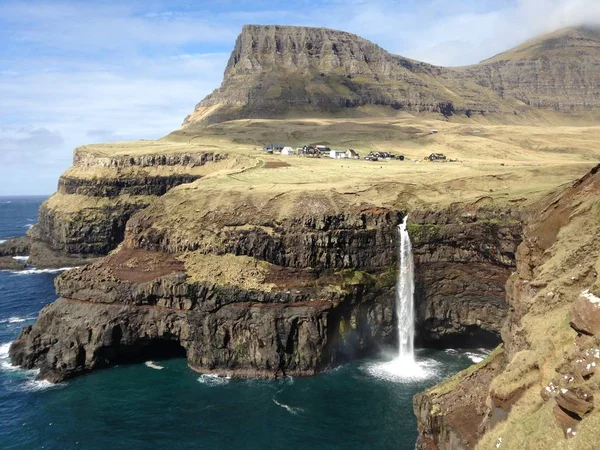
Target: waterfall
[
  {"x": 405, "y": 310},
  {"x": 405, "y": 367}
]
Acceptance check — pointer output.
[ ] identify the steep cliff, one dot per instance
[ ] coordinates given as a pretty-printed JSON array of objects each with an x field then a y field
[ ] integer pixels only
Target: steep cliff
[
  {"x": 271, "y": 281},
  {"x": 463, "y": 257},
  {"x": 106, "y": 185},
  {"x": 541, "y": 392},
  {"x": 283, "y": 72},
  {"x": 269, "y": 294}
]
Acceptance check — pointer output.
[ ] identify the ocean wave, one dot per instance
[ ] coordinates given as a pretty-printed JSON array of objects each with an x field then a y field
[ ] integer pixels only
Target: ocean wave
[
  {"x": 212, "y": 379},
  {"x": 16, "y": 319},
  {"x": 34, "y": 271},
  {"x": 5, "y": 364},
  {"x": 153, "y": 365},
  {"x": 475, "y": 355},
  {"x": 2, "y": 241},
  {"x": 27, "y": 382},
  {"x": 40, "y": 385},
  {"x": 28, "y": 226},
  {"x": 291, "y": 409}
]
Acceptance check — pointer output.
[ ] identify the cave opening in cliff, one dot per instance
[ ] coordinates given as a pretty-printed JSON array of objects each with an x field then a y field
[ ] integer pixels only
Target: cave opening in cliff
[
  {"x": 472, "y": 337},
  {"x": 143, "y": 350}
]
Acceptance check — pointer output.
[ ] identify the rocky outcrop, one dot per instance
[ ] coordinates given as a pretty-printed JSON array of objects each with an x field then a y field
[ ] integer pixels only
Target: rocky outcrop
[
  {"x": 557, "y": 71},
  {"x": 277, "y": 71},
  {"x": 113, "y": 187},
  {"x": 15, "y": 247},
  {"x": 307, "y": 316},
  {"x": 86, "y": 218},
  {"x": 551, "y": 337},
  {"x": 450, "y": 416},
  {"x": 463, "y": 258},
  {"x": 9, "y": 263}
]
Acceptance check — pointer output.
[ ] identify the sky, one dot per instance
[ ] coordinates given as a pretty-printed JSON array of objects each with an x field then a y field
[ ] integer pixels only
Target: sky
[{"x": 80, "y": 72}]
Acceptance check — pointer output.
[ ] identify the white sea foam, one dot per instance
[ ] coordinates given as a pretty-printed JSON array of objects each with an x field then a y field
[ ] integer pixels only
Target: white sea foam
[
  {"x": 153, "y": 365},
  {"x": 5, "y": 364},
  {"x": 2, "y": 241},
  {"x": 14, "y": 320},
  {"x": 21, "y": 258},
  {"x": 28, "y": 226},
  {"x": 290, "y": 409},
  {"x": 34, "y": 271},
  {"x": 477, "y": 355},
  {"x": 212, "y": 379},
  {"x": 40, "y": 385},
  {"x": 402, "y": 369},
  {"x": 27, "y": 381},
  {"x": 4, "y": 350}
]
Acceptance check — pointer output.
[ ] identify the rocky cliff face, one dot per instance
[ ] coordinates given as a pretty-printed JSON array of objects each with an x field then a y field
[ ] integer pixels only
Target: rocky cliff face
[
  {"x": 558, "y": 71},
  {"x": 282, "y": 71},
  {"x": 463, "y": 257},
  {"x": 268, "y": 283},
  {"x": 547, "y": 372},
  {"x": 86, "y": 218},
  {"x": 307, "y": 314}
]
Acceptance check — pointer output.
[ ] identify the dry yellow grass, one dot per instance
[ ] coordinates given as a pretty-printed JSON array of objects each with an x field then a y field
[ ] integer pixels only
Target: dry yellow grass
[
  {"x": 498, "y": 163},
  {"x": 227, "y": 270}
]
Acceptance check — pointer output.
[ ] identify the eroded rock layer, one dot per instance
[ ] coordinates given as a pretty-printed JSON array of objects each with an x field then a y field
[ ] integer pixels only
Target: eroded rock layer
[
  {"x": 86, "y": 218},
  {"x": 463, "y": 257},
  {"x": 283, "y": 71},
  {"x": 287, "y": 304},
  {"x": 551, "y": 351}
]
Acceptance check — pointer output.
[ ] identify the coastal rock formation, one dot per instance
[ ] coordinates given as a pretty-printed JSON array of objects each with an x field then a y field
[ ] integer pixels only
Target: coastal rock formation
[
  {"x": 311, "y": 292},
  {"x": 551, "y": 339},
  {"x": 283, "y": 71},
  {"x": 463, "y": 258},
  {"x": 267, "y": 283},
  {"x": 86, "y": 218}
]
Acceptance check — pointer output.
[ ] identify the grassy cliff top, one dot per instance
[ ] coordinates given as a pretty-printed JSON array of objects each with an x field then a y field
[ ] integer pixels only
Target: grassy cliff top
[{"x": 502, "y": 164}]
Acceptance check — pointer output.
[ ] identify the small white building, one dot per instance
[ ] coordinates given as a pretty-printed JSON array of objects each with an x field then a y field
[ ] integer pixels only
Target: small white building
[
  {"x": 287, "y": 151},
  {"x": 337, "y": 154},
  {"x": 351, "y": 154}
]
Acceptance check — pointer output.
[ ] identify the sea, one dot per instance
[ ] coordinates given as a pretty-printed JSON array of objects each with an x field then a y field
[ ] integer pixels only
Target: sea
[{"x": 165, "y": 405}]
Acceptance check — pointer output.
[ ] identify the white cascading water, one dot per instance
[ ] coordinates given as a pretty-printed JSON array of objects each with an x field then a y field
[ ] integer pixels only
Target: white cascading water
[
  {"x": 404, "y": 366},
  {"x": 405, "y": 287}
]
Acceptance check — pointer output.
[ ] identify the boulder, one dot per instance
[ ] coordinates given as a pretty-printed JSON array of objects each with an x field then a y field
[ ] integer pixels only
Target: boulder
[{"x": 586, "y": 314}]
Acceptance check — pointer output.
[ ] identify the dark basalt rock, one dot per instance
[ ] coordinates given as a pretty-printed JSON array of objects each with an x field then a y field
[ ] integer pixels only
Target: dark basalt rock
[
  {"x": 109, "y": 315},
  {"x": 107, "y": 187},
  {"x": 15, "y": 247},
  {"x": 462, "y": 262}
]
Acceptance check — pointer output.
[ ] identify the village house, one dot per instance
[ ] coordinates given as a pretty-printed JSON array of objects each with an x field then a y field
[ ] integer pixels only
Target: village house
[{"x": 337, "y": 154}]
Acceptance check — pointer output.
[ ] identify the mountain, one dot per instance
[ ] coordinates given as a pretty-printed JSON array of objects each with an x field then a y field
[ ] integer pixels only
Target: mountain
[
  {"x": 284, "y": 71},
  {"x": 560, "y": 70}
]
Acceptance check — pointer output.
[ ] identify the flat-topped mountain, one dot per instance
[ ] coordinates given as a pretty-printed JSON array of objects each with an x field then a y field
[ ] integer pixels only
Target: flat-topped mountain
[{"x": 284, "y": 71}]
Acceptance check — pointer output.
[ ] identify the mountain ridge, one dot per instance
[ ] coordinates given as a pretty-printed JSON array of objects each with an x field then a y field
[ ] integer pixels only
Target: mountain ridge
[{"x": 288, "y": 71}]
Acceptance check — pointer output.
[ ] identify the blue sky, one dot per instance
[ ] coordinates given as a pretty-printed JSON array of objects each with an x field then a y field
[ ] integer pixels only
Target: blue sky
[{"x": 75, "y": 72}]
